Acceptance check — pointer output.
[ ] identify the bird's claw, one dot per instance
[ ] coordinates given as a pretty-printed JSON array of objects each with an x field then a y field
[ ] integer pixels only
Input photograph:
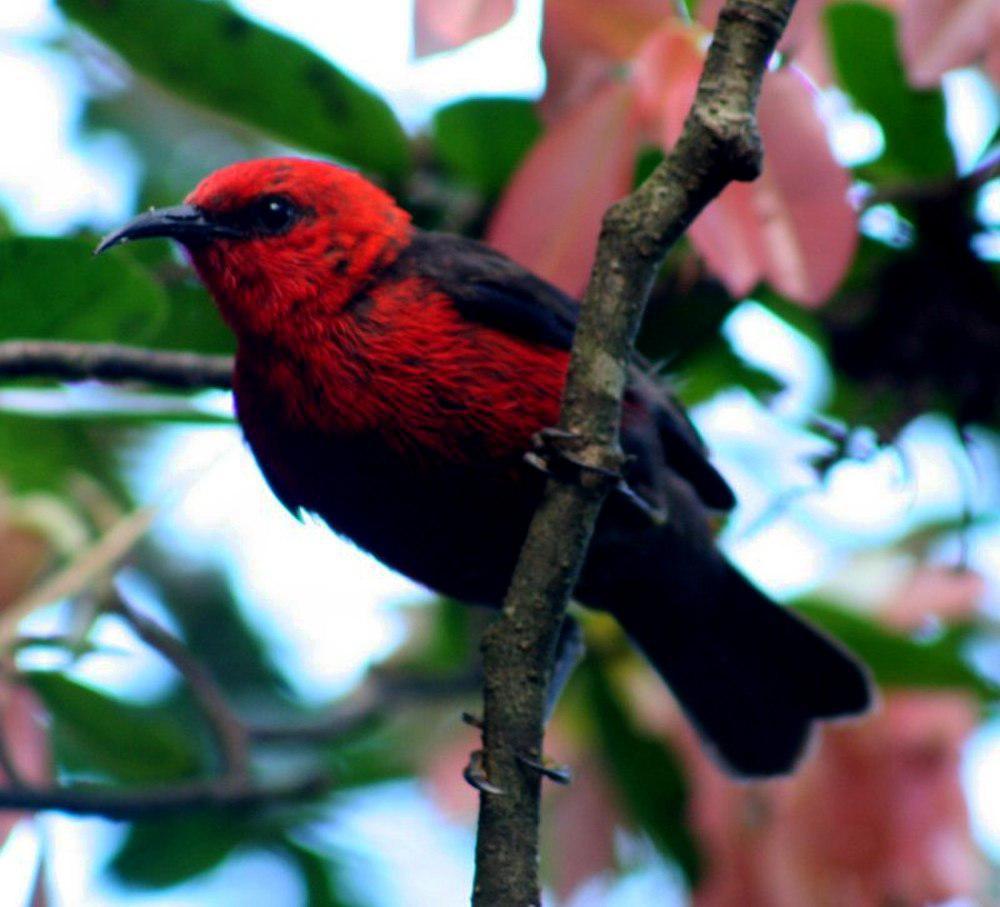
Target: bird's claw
[
  {"x": 472, "y": 720},
  {"x": 550, "y": 456},
  {"x": 561, "y": 774},
  {"x": 475, "y": 774}
]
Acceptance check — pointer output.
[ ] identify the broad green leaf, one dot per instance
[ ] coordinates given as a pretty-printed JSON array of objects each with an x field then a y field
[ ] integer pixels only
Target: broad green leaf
[
  {"x": 484, "y": 139},
  {"x": 897, "y": 660},
  {"x": 866, "y": 56},
  {"x": 95, "y": 734},
  {"x": 193, "y": 323},
  {"x": 646, "y": 771},
  {"x": 39, "y": 454},
  {"x": 209, "y": 54},
  {"x": 54, "y": 289},
  {"x": 162, "y": 852}
]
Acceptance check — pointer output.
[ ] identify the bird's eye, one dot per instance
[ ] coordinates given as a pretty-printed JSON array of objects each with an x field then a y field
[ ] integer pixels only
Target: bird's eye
[{"x": 273, "y": 213}]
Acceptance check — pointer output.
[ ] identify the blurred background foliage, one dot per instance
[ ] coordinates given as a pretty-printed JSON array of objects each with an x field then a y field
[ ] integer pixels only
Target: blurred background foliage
[{"x": 836, "y": 329}]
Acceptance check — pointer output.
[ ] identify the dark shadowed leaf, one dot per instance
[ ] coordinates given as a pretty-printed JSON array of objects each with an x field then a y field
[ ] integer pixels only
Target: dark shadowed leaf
[
  {"x": 646, "y": 771},
  {"x": 717, "y": 367},
  {"x": 214, "y": 628},
  {"x": 482, "y": 140},
  {"x": 319, "y": 874},
  {"x": 897, "y": 660},
  {"x": 866, "y": 55},
  {"x": 193, "y": 322},
  {"x": 40, "y": 454},
  {"x": 166, "y": 851},
  {"x": 56, "y": 289},
  {"x": 210, "y": 54},
  {"x": 95, "y": 734}
]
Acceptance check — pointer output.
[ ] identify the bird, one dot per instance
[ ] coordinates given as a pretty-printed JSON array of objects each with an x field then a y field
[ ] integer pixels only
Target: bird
[{"x": 391, "y": 380}]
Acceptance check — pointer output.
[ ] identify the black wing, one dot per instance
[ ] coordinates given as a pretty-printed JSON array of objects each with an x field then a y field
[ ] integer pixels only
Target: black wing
[{"x": 488, "y": 287}]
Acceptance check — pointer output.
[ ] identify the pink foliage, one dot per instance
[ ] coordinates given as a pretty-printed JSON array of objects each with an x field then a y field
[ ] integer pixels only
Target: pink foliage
[
  {"x": 938, "y": 35},
  {"x": 27, "y": 742},
  {"x": 550, "y": 215},
  {"x": 440, "y": 25},
  {"x": 583, "y": 41},
  {"x": 875, "y": 815},
  {"x": 794, "y": 226}
]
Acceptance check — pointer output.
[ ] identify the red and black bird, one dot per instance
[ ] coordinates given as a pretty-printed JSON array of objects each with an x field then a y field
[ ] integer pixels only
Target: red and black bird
[{"x": 391, "y": 381}]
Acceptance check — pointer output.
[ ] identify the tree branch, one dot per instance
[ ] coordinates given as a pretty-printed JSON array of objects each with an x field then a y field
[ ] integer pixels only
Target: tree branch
[
  {"x": 118, "y": 803},
  {"x": 228, "y": 731},
  {"x": 719, "y": 143},
  {"x": 113, "y": 362}
]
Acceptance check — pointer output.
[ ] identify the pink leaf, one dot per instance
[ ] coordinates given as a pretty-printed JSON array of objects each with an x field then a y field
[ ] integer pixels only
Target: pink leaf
[
  {"x": 24, "y": 733},
  {"x": 665, "y": 74},
  {"x": 550, "y": 215},
  {"x": 583, "y": 41},
  {"x": 440, "y": 25},
  {"x": 794, "y": 226},
  {"x": 938, "y": 35}
]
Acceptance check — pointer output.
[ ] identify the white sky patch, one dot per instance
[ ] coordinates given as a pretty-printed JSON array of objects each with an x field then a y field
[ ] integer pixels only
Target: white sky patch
[
  {"x": 49, "y": 181},
  {"x": 855, "y": 136},
  {"x": 372, "y": 41},
  {"x": 973, "y": 113},
  {"x": 981, "y": 775},
  {"x": 320, "y": 600},
  {"x": 766, "y": 341}
]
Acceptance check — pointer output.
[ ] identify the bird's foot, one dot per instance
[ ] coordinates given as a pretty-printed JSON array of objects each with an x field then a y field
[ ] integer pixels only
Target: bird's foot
[
  {"x": 561, "y": 774},
  {"x": 472, "y": 720},
  {"x": 550, "y": 455},
  {"x": 475, "y": 774}
]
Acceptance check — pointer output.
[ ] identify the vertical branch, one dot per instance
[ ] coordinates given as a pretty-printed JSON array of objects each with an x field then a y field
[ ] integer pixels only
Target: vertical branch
[{"x": 719, "y": 143}]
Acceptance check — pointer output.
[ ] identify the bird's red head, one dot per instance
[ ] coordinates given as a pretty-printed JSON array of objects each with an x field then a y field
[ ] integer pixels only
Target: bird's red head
[{"x": 280, "y": 240}]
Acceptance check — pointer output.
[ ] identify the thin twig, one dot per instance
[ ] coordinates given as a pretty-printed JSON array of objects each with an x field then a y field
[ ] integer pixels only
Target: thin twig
[
  {"x": 378, "y": 696},
  {"x": 719, "y": 143},
  {"x": 231, "y": 737},
  {"x": 113, "y": 362},
  {"x": 115, "y": 803}
]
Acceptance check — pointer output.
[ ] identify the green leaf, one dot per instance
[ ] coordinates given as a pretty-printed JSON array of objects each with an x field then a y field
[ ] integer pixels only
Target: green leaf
[
  {"x": 897, "y": 660},
  {"x": 864, "y": 49},
  {"x": 38, "y": 454},
  {"x": 206, "y": 52},
  {"x": 647, "y": 772},
  {"x": 55, "y": 289},
  {"x": 93, "y": 733},
  {"x": 484, "y": 139},
  {"x": 214, "y": 628},
  {"x": 321, "y": 877},
  {"x": 193, "y": 323},
  {"x": 716, "y": 368},
  {"x": 169, "y": 850},
  {"x": 371, "y": 755}
]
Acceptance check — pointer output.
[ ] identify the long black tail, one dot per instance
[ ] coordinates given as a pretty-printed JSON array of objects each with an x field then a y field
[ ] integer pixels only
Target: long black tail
[{"x": 750, "y": 675}]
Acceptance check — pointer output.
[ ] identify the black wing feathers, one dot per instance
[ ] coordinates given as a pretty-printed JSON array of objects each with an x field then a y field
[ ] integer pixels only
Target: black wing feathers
[{"x": 489, "y": 288}]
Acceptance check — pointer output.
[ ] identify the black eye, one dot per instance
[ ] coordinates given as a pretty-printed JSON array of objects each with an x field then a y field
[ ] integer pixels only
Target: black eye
[{"x": 273, "y": 213}]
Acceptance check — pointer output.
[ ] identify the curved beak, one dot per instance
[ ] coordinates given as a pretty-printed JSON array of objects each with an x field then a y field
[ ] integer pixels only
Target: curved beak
[{"x": 185, "y": 223}]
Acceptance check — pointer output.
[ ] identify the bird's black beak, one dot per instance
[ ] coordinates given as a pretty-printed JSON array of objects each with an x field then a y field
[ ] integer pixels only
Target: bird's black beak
[{"x": 185, "y": 223}]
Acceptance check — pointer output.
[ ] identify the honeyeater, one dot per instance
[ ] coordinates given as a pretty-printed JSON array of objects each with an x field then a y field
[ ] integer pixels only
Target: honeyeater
[{"x": 391, "y": 380}]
